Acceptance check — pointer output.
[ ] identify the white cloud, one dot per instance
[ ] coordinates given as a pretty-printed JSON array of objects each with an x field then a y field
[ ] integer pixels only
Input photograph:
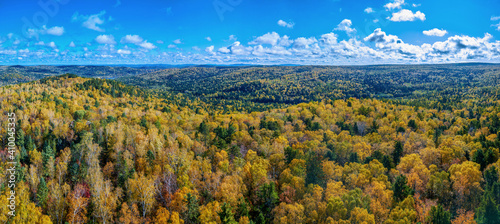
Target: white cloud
[
  {"x": 196, "y": 48},
  {"x": 178, "y": 41},
  {"x": 208, "y": 38},
  {"x": 91, "y": 21},
  {"x": 159, "y": 41},
  {"x": 495, "y": 18},
  {"x": 52, "y": 45},
  {"x": 123, "y": 51},
  {"x": 328, "y": 39},
  {"x": 131, "y": 39},
  {"x": 303, "y": 42},
  {"x": 416, "y": 5},
  {"x": 105, "y": 39},
  {"x": 345, "y": 25},
  {"x": 72, "y": 44},
  {"x": 497, "y": 26},
  {"x": 369, "y": 10},
  {"x": 16, "y": 42},
  {"x": 10, "y": 35},
  {"x": 286, "y": 24},
  {"x": 210, "y": 50},
  {"x": 396, "y": 4},
  {"x": 407, "y": 15},
  {"x": 139, "y": 41},
  {"x": 435, "y": 32},
  {"x": 172, "y": 46},
  {"x": 147, "y": 45},
  {"x": 56, "y": 30},
  {"x": 232, "y": 38},
  {"x": 268, "y": 38},
  {"x": 224, "y": 50}
]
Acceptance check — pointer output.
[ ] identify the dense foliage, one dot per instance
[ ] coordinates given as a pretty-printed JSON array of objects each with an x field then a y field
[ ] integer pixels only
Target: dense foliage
[
  {"x": 19, "y": 74},
  {"x": 99, "y": 151},
  {"x": 279, "y": 85}
]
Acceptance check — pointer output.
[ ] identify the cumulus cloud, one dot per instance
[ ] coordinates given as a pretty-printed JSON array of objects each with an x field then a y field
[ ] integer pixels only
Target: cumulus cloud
[
  {"x": 208, "y": 38},
  {"x": 105, "y": 39},
  {"x": 303, "y": 42},
  {"x": 435, "y": 32},
  {"x": 123, "y": 51},
  {"x": 345, "y": 25},
  {"x": 286, "y": 24},
  {"x": 396, "y": 4},
  {"x": 272, "y": 48},
  {"x": 407, "y": 15},
  {"x": 90, "y": 21},
  {"x": 147, "y": 45},
  {"x": 178, "y": 41},
  {"x": 56, "y": 30},
  {"x": 52, "y": 45},
  {"x": 328, "y": 39},
  {"x": 369, "y": 10},
  {"x": 139, "y": 41},
  {"x": 131, "y": 39},
  {"x": 72, "y": 44},
  {"x": 268, "y": 38},
  {"x": 210, "y": 50}
]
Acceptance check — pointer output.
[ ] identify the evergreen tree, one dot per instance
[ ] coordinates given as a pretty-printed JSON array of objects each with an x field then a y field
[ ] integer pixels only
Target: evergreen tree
[
  {"x": 226, "y": 215},
  {"x": 439, "y": 216},
  {"x": 488, "y": 212},
  {"x": 42, "y": 193},
  {"x": 401, "y": 189},
  {"x": 398, "y": 152},
  {"x": 193, "y": 209}
]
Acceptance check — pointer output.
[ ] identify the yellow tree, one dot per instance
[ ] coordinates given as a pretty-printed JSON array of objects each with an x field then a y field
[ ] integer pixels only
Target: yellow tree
[
  {"x": 77, "y": 203},
  {"x": 142, "y": 191},
  {"x": 361, "y": 216},
  {"x": 57, "y": 204},
  {"x": 415, "y": 171},
  {"x": 289, "y": 213},
  {"x": 25, "y": 212},
  {"x": 466, "y": 178}
]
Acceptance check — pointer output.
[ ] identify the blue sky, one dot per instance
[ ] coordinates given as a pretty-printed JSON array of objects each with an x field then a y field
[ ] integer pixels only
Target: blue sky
[{"x": 333, "y": 32}]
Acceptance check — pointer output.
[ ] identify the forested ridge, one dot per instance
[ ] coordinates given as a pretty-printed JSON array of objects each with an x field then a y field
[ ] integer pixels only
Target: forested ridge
[
  {"x": 100, "y": 151},
  {"x": 260, "y": 86}
]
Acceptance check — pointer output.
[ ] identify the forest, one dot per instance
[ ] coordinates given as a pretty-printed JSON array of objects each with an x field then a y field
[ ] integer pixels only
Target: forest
[{"x": 257, "y": 144}]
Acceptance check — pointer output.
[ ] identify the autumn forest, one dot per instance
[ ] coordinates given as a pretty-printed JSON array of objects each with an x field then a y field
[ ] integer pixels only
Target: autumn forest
[{"x": 255, "y": 144}]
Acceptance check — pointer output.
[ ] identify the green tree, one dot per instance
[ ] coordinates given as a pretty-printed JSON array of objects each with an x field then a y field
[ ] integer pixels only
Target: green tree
[
  {"x": 400, "y": 188},
  {"x": 488, "y": 212},
  {"x": 398, "y": 152},
  {"x": 192, "y": 212},
  {"x": 42, "y": 192},
  {"x": 226, "y": 215},
  {"x": 439, "y": 216}
]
